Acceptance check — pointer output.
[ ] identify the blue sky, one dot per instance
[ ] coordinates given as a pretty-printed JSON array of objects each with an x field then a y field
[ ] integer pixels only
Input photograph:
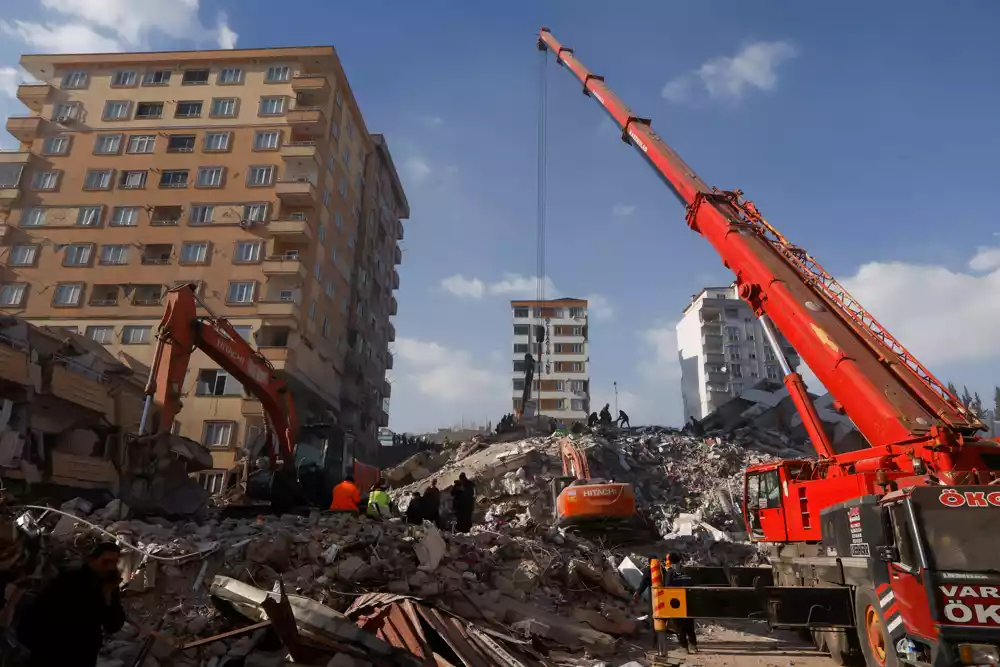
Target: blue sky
[{"x": 863, "y": 131}]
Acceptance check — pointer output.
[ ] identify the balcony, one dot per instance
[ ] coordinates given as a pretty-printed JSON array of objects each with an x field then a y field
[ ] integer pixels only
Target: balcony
[
  {"x": 391, "y": 329},
  {"x": 11, "y": 168},
  {"x": 34, "y": 95},
  {"x": 399, "y": 230},
  {"x": 274, "y": 309},
  {"x": 393, "y": 306},
  {"x": 311, "y": 88},
  {"x": 309, "y": 121},
  {"x": 383, "y": 418},
  {"x": 296, "y": 191},
  {"x": 280, "y": 357},
  {"x": 395, "y": 279},
  {"x": 284, "y": 265},
  {"x": 397, "y": 256},
  {"x": 389, "y": 361},
  {"x": 251, "y": 407},
  {"x": 299, "y": 150},
  {"x": 296, "y": 230},
  {"x": 25, "y": 128}
]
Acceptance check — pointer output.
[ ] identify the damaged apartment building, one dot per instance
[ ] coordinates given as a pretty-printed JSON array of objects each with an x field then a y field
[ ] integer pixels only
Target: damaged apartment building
[
  {"x": 249, "y": 173},
  {"x": 69, "y": 414}
]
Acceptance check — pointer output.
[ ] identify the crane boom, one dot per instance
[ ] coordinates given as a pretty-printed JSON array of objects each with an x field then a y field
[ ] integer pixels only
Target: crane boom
[
  {"x": 891, "y": 397},
  {"x": 182, "y": 331}
]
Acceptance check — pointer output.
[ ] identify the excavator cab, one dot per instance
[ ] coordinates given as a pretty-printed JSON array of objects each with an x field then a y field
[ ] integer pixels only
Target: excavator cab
[{"x": 579, "y": 498}]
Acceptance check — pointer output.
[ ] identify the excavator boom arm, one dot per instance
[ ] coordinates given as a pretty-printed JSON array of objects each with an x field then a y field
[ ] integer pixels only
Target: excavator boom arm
[{"x": 889, "y": 395}]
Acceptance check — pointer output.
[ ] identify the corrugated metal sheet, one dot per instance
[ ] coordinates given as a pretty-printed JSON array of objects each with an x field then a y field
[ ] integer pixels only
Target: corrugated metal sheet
[{"x": 406, "y": 622}]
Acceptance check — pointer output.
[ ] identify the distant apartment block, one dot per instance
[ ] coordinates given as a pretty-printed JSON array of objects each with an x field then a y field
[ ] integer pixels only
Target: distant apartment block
[
  {"x": 248, "y": 172},
  {"x": 562, "y": 376},
  {"x": 723, "y": 350}
]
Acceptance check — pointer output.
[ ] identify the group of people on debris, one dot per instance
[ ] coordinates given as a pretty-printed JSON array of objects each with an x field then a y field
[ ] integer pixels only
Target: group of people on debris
[
  {"x": 604, "y": 419},
  {"x": 426, "y": 506}
]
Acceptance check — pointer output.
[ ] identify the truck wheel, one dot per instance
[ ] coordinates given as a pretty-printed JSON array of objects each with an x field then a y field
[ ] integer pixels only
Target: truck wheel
[
  {"x": 876, "y": 646},
  {"x": 841, "y": 645}
]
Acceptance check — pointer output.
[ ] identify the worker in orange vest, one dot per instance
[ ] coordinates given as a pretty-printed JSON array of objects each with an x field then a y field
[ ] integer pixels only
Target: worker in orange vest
[{"x": 346, "y": 496}]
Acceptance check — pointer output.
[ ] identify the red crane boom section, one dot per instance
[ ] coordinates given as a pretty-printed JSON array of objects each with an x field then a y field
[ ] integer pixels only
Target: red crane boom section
[
  {"x": 182, "y": 331},
  {"x": 891, "y": 397}
]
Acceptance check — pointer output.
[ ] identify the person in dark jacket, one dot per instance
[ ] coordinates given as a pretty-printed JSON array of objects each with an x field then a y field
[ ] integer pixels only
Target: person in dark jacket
[
  {"x": 463, "y": 500},
  {"x": 66, "y": 624},
  {"x": 592, "y": 420},
  {"x": 623, "y": 421},
  {"x": 432, "y": 503},
  {"x": 672, "y": 576},
  {"x": 415, "y": 510},
  {"x": 606, "y": 416}
]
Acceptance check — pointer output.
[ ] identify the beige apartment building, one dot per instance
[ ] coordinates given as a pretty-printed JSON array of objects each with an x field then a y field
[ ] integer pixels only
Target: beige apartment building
[{"x": 249, "y": 172}]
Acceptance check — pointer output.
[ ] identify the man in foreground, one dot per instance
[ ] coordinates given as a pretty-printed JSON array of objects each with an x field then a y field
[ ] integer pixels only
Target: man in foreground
[
  {"x": 672, "y": 576},
  {"x": 346, "y": 496},
  {"x": 66, "y": 624}
]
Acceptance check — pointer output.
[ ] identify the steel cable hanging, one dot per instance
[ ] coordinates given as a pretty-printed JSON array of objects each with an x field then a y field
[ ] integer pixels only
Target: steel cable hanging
[{"x": 541, "y": 185}]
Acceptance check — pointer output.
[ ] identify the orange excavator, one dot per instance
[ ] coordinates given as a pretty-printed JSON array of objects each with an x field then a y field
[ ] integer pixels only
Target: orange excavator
[{"x": 580, "y": 499}]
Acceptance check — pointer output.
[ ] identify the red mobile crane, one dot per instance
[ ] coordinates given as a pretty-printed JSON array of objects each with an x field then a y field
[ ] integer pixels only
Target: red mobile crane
[{"x": 890, "y": 550}]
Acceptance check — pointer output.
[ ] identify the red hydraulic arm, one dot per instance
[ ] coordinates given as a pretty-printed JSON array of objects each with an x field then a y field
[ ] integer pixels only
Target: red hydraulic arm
[
  {"x": 891, "y": 397},
  {"x": 181, "y": 331}
]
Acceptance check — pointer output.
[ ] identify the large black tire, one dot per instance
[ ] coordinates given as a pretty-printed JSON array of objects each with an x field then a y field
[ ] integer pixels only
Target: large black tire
[{"x": 876, "y": 645}]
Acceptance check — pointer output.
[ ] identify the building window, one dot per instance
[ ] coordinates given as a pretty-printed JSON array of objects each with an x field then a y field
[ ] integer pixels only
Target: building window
[
  {"x": 246, "y": 252},
  {"x": 188, "y": 109},
  {"x": 174, "y": 179},
  {"x": 210, "y": 177},
  {"x": 217, "y": 434},
  {"x": 318, "y": 270},
  {"x": 216, "y": 141},
  {"x": 201, "y": 215},
  {"x": 75, "y": 80},
  {"x": 312, "y": 311},
  {"x": 339, "y": 98},
  {"x": 321, "y": 232},
  {"x": 229, "y": 76},
  {"x": 181, "y": 143},
  {"x": 124, "y": 78},
  {"x": 732, "y": 334},
  {"x": 223, "y": 107},
  {"x": 33, "y": 217},
  {"x": 735, "y": 370},
  {"x": 258, "y": 176},
  {"x": 267, "y": 140},
  {"x": 342, "y": 188},
  {"x": 773, "y": 373},
  {"x": 733, "y": 352},
  {"x": 77, "y": 254},
  {"x": 338, "y": 219},
  {"x": 97, "y": 179},
  {"x": 520, "y": 348},
  {"x": 272, "y": 106},
  {"x": 255, "y": 212},
  {"x": 58, "y": 145},
  {"x": 244, "y": 331},
  {"x": 214, "y": 382},
  {"x": 108, "y": 144},
  {"x": 346, "y": 156},
  {"x": 135, "y": 335},
  {"x": 114, "y": 254},
  {"x": 125, "y": 216},
  {"x": 45, "y": 180},
  {"x": 67, "y": 294},
  {"x": 104, "y": 335},
  {"x": 241, "y": 291},
  {"x": 23, "y": 255},
  {"x": 116, "y": 110},
  {"x": 326, "y": 327},
  {"x": 148, "y": 110},
  {"x": 141, "y": 143},
  {"x": 278, "y": 74},
  {"x": 350, "y": 240},
  {"x": 194, "y": 252},
  {"x": 335, "y": 133},
  {"x": 522, "y": 330},
  {"x": 327, "y": 196},
  {"x": 156, "y": 78},
  {"x": 12, "y": 294},
  {"x": 329, "y": 291},
  {"x": 194, "y": 77},
  {"x": 132, "y": 180},
  {"x": 736, "y": 388}
]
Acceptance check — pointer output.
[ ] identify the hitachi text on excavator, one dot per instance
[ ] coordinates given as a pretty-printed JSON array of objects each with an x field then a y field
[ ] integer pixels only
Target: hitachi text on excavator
[{"x": 883, "y": 554}]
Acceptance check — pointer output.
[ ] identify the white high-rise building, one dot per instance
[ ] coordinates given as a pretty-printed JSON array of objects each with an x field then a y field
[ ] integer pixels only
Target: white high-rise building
[
  {"x": 723, "y": 350},
  {"x": 561, "y": 387}
]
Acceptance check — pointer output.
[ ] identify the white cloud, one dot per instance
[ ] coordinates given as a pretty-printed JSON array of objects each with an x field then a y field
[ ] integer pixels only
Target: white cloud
[
  {"x": 10, "y": 78},
  {"x": 526, "y": 287},
  {"x": 435, "y": 385},
  {"x": 985, "y": 259},
  {"x": 60, "y": 38},
  {"x": 432, "y": 121},
  {"x": 461, "y": 286},
  {"x": 622, "y": 211},
  {"x": 599, "y": 306},
  {"x": 416, "y": 168},
  {"x": 729, "y": 77},
  {"x": 662, "y": 366},
  {"x": 224, "y": 35}
]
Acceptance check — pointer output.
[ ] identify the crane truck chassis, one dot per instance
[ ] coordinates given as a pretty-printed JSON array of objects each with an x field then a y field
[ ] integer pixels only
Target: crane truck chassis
[{"x": 884, "y": 553}]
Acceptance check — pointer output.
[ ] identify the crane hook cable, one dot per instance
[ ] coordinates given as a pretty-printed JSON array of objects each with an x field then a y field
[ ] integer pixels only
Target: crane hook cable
[{"x": 540, "y": 212}]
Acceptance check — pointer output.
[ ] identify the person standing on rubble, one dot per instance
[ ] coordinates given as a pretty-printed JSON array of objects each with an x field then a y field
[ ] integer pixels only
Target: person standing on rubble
[
  {"x": 346, "y": 496},
  {"x": 463, "y": 500},
  {"x": 672, "y": 576},
  {"x": 415, "y": 513},
  {"x": 606, "y": 420},
  {"x": 65, "y": 626},
  {"x": 432, "y": 503},
  {"x": 378, "y": 502},
  {"x": 623, "y": 421},
  {"x": 592, "y": 420}
]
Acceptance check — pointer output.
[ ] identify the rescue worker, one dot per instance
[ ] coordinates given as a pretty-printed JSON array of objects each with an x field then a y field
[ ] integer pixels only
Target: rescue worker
[
  {"x": 432, "y": 503},
  {"x": 346, "y": 496},
  {"x": 623, "y": 421},
  {"x": 606, "y": 420},
  {"x": 378, "y": 502},
  {"x": 415, "y": 513},
  {"x": 592, "y": 420},
  {"x": 65, "y": 626},
  {"x": 672, "y": 576},
  {"x": 463, "y": 501}
]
